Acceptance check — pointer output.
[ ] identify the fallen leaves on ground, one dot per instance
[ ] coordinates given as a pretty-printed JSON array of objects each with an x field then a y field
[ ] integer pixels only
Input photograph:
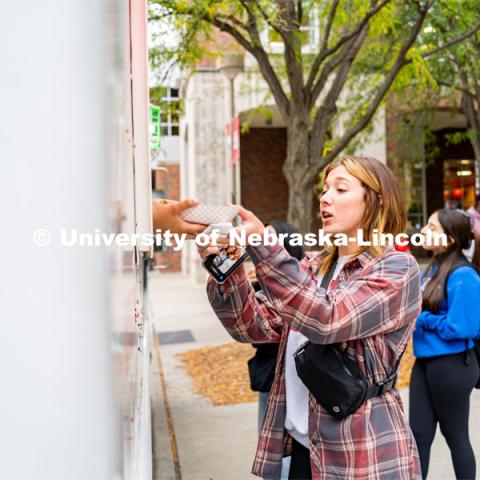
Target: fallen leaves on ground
[
  {"x": 221, "y": 374},
  {"x": 406, "y": 367}
]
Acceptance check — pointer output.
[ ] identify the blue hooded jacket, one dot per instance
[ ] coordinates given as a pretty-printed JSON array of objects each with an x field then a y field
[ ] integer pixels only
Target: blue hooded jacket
[{"x": 457, "y": 321}]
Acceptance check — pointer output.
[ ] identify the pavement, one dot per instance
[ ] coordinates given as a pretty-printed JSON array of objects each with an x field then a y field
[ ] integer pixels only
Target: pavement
[{"x": 194, "y": 440}]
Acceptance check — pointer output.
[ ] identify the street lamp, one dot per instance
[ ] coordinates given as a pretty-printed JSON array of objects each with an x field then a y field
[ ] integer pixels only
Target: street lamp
[{"x": 230, "y": 65}]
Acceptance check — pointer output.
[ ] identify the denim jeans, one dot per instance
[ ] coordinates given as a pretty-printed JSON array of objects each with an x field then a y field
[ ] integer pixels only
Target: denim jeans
[{"x": 262, "y": 407}]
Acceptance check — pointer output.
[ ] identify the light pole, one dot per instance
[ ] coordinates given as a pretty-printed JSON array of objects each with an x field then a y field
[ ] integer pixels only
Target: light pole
[{"x": 230, "y": 66}]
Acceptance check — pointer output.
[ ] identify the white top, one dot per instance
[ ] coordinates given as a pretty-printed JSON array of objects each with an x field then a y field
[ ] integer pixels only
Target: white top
[{"x": 296, "y": 420}]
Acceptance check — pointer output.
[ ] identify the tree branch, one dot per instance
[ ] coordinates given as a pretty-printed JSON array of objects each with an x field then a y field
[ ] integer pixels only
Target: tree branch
[
  {"x": 328, "y": 27},
  {"x": 342, "y": 74},
  {"x": 327, "y": 52},
  {"x": 264, "y": 63},
  {"x": 455, "y": 87},
  {"x": 293, "y": 63},
  {"x": 294, "y": 70},
  {"x": 328, "y": 68},
  {"x": 453, "y": 42},
  {"x": 476, "y": 84},
  {"x": 235, "y": 21},
  {"x": 293, "y": 56},
  {"x": 465, "y": 89},
  {"x": 328, "y": 108},
  {"x": 299, "y": 12},
  {"x": 265, "y": 16},
  {"x": 230, "y": 29},
  {"x": 156, "y": 18},
  {"x": 382, "y": 91}
]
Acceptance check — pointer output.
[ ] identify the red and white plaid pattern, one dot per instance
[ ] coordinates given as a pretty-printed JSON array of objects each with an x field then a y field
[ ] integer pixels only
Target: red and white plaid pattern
[{"x": 370, "y": 309}]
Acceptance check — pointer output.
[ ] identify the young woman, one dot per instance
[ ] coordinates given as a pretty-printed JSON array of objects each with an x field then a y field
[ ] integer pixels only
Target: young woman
[
  {"x": 369, "y": 309},
  {"x": 446, "y": 370}
]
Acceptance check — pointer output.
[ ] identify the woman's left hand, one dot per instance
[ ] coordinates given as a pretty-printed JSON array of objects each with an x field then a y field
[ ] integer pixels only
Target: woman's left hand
[{"x": 250, "y": 223}]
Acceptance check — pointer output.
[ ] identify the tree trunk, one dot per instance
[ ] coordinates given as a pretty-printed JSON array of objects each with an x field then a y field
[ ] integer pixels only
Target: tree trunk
[
  {"x": 299, "y": 173},
  {"x": 300, "y": 203}
]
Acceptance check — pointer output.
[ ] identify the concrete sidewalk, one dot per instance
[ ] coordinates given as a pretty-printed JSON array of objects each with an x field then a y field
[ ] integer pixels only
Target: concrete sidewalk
[{"x": 218, "y": 443}]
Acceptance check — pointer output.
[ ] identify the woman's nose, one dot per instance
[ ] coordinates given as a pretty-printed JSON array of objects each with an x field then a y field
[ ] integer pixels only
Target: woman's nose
[{"x": 325, "y": 199}]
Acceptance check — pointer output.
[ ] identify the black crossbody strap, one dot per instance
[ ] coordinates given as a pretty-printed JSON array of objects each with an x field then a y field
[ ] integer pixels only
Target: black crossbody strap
[
  {"x": 388, "y": 383},
  {"x": 384, "y": 385}
]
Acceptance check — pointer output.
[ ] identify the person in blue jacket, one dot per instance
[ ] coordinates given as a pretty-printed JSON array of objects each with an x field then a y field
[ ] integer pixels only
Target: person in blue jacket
[{"x": 446, "y": 369}]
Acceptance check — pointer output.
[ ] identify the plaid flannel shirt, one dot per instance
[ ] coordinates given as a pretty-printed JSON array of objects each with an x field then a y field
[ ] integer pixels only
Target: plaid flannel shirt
[{"x": 370, "y": 310}]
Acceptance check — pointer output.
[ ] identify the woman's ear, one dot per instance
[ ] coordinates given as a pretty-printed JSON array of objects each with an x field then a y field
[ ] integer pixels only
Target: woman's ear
[{"x": 380, "y": 198}]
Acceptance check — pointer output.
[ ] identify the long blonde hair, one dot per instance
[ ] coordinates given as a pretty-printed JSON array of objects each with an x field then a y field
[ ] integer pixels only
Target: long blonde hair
[{"x": 384, "y": 210}]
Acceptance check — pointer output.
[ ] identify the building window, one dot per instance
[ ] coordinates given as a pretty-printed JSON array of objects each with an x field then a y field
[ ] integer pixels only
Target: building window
[
  {"x": 169, "y": 121},
  {"x": 459, "y": 183}
]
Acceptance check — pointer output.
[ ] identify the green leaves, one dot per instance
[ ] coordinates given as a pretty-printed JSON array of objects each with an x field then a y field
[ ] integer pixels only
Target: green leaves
[
  {"x": 337, "y": 57},
  {"x": 444, "y": 71}
]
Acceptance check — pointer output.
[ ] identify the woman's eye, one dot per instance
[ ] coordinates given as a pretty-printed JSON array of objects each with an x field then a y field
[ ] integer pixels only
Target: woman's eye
[{"x": 341, "y": 190}]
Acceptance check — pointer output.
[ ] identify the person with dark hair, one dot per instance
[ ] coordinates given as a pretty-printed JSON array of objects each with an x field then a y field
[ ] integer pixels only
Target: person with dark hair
[
  {"x": 474, "y": 212},
  {"x": 261, "y": 367},
  {"x": 446, "y": 369},
  {"x": 296, "y": 251}
]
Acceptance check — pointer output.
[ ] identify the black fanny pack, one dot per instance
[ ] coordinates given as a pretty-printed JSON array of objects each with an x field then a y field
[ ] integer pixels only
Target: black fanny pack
[{"x": 334, "y": 379}]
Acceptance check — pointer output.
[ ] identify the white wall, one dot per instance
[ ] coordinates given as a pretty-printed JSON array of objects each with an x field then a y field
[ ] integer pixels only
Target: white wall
[
  {"x": 55, "y": 366},
  {"x": 375, "y": 144},
  {"x": 169, "y": 152}
]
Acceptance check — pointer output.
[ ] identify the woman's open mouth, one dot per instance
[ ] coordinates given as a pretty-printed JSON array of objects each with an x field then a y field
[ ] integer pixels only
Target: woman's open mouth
[{"x": 326, "y": 216}]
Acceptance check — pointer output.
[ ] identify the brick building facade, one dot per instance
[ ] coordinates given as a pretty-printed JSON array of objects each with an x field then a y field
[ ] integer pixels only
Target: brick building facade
[
  {"x": 264, "y": 188},
  {"x": 167, "y": 186}
]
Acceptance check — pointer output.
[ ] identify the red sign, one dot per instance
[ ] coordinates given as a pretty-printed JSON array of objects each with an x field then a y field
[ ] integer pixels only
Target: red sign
[{"x": 235, "y": 149}]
